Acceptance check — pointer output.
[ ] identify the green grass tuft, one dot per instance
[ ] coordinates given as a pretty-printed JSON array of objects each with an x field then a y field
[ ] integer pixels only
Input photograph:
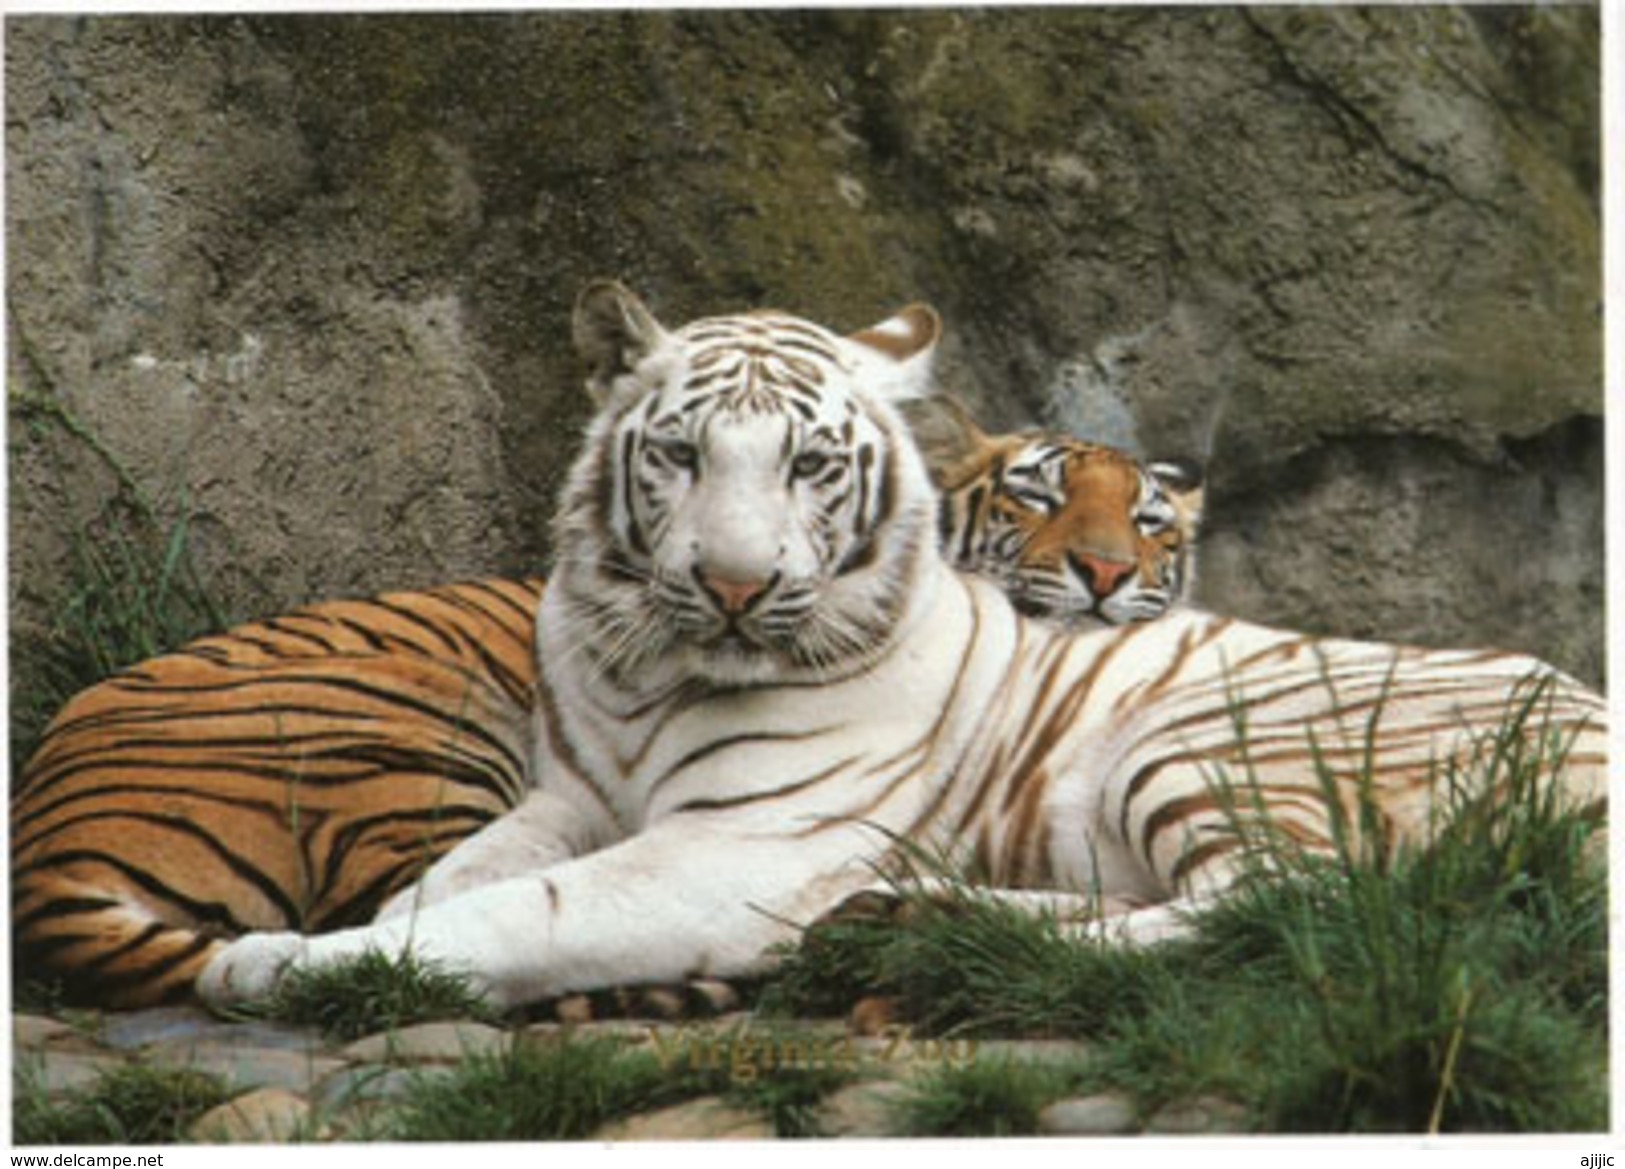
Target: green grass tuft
[
  {"x": 131, "y": 1105},
  {"x": 132, "y": 589},
  {"x": 535, "y": 1092},
  {"x": 780, "y": 1073},
  {"x": 789, "y": 1098},
  {"x": 568, "y": 1090},
  {"x": 1460, "y": 988},
  {"x": 983, "y": 1098},
  {"x": 959, "y": 963},
  {"x": 373, "y": 992}
]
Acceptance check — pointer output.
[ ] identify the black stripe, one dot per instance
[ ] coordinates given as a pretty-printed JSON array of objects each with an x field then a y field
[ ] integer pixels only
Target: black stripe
[
  {"x": 241, "y": 868},
  {"x": 354, "y": 686},
  {"x": 107, "y": 957},
  {"x": 724, "y": 744},
  {"x": 364, "y": 631},
  {"x": 518, "y": 689},
  {"x": 103, "y": 792},
  {"x": 714, "y": 804},
  {"x": 807, "y": 412},
  {"x": 526, "y": 613},
  {"x": 212, "y": 912},
  {"x": 973, "y": 509},
  {"x": 945, "y": 522},
  {"x": 261, "y": 755},
  {"x": 280, "y": 625},
  {"x": 634, "y": 531},
  {"x": 61, "y": 907},
  {"x": 379, "y": 758},
  {"x": 40, "y": 951},
  {"x": 154, "y": 973},
  {"x": 865, "y": 477},
  {"x": 366, "y": 902},
  {"x": 417, "y": 620},
  {"x": 867, "y": 548},
  {"x": 457, "y": 821}
]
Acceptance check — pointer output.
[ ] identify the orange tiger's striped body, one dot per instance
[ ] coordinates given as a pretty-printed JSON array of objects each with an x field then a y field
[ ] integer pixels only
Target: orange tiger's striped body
[{"x": 288, "y": 774}]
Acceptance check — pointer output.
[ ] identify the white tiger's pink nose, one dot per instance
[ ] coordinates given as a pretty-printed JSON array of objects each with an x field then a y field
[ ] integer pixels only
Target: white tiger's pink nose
[{"x": 733, "y": 597}]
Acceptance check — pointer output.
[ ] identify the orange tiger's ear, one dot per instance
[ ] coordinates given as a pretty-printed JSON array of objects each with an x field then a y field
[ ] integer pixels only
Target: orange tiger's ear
[
  {"x": 613, "y": 332},
  {"x": 1183, "y": 480},
  {"x": 902, "y": 347}
]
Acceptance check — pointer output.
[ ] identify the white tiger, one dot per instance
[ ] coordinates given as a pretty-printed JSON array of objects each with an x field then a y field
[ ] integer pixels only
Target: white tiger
[{"x": 758, "y": 674}]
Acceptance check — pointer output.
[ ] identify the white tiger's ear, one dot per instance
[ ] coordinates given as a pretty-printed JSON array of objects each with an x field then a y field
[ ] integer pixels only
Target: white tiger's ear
[
  {"x": 897, "y": 353},
  {"x": 613, "y": 332}
]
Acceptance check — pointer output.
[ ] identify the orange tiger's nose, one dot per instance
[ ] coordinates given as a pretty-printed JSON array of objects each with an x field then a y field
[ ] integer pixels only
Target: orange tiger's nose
[
  {"x": 1104, "y": 577},
  {"x": 733, "y": 596}
]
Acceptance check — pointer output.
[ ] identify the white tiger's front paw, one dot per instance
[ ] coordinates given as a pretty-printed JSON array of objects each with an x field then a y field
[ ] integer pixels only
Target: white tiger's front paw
[{"x": 250, "y": 968}]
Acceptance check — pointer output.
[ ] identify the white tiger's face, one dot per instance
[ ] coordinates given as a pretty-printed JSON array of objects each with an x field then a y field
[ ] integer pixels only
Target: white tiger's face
[{"x": 747, "y": 509}]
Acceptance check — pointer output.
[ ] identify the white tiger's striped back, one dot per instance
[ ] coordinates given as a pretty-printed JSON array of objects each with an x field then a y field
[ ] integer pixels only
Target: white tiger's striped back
[{"x": 1109, "y": 752}]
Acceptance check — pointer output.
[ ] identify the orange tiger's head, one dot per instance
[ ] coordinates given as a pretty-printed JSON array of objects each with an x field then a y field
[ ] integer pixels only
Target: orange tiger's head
[{"x": 1073, "y": 531}]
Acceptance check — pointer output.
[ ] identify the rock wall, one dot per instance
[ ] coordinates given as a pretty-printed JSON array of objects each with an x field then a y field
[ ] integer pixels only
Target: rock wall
[{"x": 306, "y": 279}]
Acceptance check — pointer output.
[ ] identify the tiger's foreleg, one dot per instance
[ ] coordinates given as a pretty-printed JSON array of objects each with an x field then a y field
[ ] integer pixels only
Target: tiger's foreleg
[
  {"x": 683, "y": 899},
  {"x": 541, "y": 832}
]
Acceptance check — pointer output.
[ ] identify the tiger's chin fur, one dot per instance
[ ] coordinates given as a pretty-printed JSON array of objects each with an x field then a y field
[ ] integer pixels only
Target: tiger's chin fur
[{"x": 688, "y": 816}]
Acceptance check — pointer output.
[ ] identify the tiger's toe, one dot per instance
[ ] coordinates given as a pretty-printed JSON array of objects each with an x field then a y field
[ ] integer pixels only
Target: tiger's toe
[
  {"x": 875, "y": 904},
  {"x": 249, "y": 969}
]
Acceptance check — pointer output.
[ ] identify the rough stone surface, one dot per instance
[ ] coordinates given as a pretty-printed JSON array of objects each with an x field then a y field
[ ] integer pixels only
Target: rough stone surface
[
  {"x": 161, "y": 1025},
  {"x": 371, "y": 1083},
  {"x": 243, "y": 1066},
  {"x": 633, "y": 1031},
  {"x": 449, "y": 1041},
  {"x": 307, "y": 279},
  {"x": 58, "y": 1072},
  {"x": 1102, "y": 1115},
  {"x": 262, "y": 1116},
  {"x": 706, "y": 1119},
  {"x": 191, "y": 1027},
  {"x": 32, "y": 1031},
  {"x": 862, "y": 1110},
  {"x": 1203, "y": 1114}
]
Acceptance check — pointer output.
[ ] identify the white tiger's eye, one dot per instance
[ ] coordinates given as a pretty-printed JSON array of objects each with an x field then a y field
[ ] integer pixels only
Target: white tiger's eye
[
  {"x": 680, "y": 453},
  {"x": 808, "y": 463}
]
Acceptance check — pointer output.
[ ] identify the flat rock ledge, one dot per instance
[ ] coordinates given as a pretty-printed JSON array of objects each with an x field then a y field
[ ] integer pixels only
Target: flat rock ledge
[{"x": 290, "y": 1084}]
